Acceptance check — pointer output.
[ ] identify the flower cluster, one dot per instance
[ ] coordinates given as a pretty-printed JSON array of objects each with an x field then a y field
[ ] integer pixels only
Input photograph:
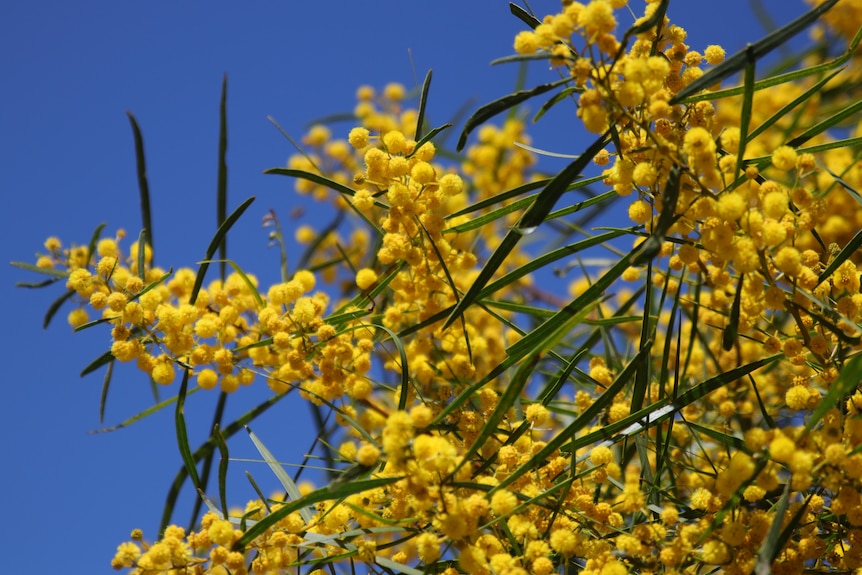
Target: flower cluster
[{"x": 713, "y": 420}]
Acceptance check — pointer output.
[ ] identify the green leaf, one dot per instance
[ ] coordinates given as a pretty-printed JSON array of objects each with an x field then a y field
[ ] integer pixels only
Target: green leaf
[
  {"x": 142, "y": 255},
  {"x": 523, "y": 15},
  {"x": 221, "y": 186},
  {"x": 771, "y": 547},
  {"x": 94, "y": 239},
  {"x": 220, "y": 442},
  {"x": 581, "y": 421},
  {"x": 103, "y": 359},
  {"x": 141, "y": 415},
  {"x": 423, "y": 102},
  {"x": 323, "y": 494},
  {"x": 182, "y": 433},
  {"x": 206, "y": 450},
  {"x": 286, "y": 482},
  {"x": 751, "y": 52},
  {"x": 55, "y": 307},
  {"x": 841, "y": 257},
  {"x": 214, "y": 244},
  {"x": 106, "y": 384},
  {"x": 730, "y": 332},
  {"x": 428, "y": 137},
  {"x": 850, "y": 112},
  {"x": 848, "y": 380},
  {"x": 490, "y": 110},
  {"x": 555, "y": 99},
  {"x": 805, "y": 96},
  {"x": 783, "y": 78},
  {"x": 531, "y": 219},
  {"x": 54, "y": 273},
  {"x": 143, "y": 185},
  {"x": 528, "y": 201}
]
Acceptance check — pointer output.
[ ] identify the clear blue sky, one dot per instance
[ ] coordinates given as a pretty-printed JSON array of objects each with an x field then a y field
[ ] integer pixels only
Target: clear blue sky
[{"x": 69, "y": 72}]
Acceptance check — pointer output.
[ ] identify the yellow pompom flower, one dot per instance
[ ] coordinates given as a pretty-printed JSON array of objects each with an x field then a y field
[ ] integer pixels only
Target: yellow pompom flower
[
  {"x": 451, "y": 184},
  {"x": 365, "y": 278},
  {"x": 526, "y": 42},
  {"x": 367, "y": 455},
  {"x": 394, "y": 91},
  {"x": 77, "y": 317},
  {"x": 422, "y": 173},
  {"x": 797, "y": 397},
  {"x": 207, "y": 379},
  {"x": 714, "y": 54},
  {"x": 395, "y": 142},
  {"x": 503, "y": 502},
  {"x": 788, "y": 260},
  {"x": 781, "y": 448},
  {"x": 428, "y": 547},
  {"x": 163, "y": 371},
  {"x": 597, "y": 17},
  {"x": 358, "y": 138},
  {"x": 784, "y": 158},
  {"x": 601, "y": 455},
  {"x": 698, "y": 143}
]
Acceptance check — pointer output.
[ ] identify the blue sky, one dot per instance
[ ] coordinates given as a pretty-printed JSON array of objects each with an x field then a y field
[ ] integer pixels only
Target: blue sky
[{"x": 70, "y": 70}]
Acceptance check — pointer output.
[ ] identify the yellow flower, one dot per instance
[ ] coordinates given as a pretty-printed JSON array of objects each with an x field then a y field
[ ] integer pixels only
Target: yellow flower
[{"x": 784, "y": 158}]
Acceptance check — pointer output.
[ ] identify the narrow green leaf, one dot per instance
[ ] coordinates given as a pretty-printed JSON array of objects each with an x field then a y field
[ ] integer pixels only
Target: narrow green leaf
[
  {"x": 488, "y": 111},
  {"x": 555, "y": 99},
  {"x": 206, "y": 450},
  {"x": 36, "y": 285},
  {"x": 523, "y": 58},
  {"x": 729, "y": 337},
  {"x": 745, "y": 114},
  {"x": 322, "y": 494},
  {"x": 783, "y": 78},
  {"x": 103, "y": 359},
  {"x": 754, "y": 51},
  {"x": 405, "y": 367},
  {"x": 722, "y": 438},
  {"x": 849, "y": 112},
  {"x": 286, "y": 482},
  {"x": 520, "y": 272},
  {"x": 142, "y": 254},
  {"x": 55, "y": 307},
  {"x": 221, "y": 444},
  {"x": 428, "y": 137},
  {"x": 322, "y": 180},
  {"x": 523, "y": 15},
  {"x": 54, "y": 273},
  {"x": 722, "y": 379},
  {"x": 423, "y": 102},
  {"x": 848, "y": 379},
  {"x": 770, "y": 548},
  {"x": 221, "y": 186},
  {"x": 141, "y": 415},
  {"x": 106, "y": 384},
  {"x": 143, "y": 185},
  {"x": 786, "y": 109},
  {"x": 497, "y": 199},
  {"x": 154, "y": 284},
  {"x": 214, "y": 244},
  {"x": 581, "y": 421},
  {"x": 531, "y": 219},
  {"x": 258, "y": 299},
  {"x": 94, "y": 239},
  {"x": 182, "y": 433},
  {"x": 526, "y": 202},
  {"x": 841, "y": 257},
  {"x": 650, "y": 247}
]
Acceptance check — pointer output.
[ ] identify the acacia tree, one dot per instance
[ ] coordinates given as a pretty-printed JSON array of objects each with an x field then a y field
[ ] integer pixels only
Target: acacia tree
[{"x": 691, "y": 404}]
